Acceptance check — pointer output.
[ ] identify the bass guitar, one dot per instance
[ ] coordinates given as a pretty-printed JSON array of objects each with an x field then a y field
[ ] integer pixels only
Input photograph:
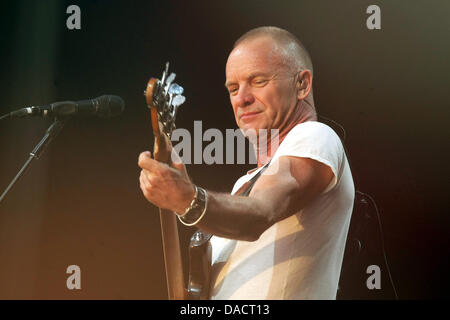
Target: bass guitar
[{"x": 163, "y": 97}]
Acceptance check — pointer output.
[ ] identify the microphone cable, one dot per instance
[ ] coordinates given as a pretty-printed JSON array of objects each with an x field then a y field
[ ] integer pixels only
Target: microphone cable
[{"x": 382, "y": 240}]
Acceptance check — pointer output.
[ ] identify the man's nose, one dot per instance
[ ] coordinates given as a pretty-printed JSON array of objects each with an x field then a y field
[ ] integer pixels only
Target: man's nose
[{"x": 244, "y": 97}]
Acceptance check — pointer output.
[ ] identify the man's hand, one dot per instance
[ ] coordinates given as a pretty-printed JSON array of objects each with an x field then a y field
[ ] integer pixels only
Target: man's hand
[{"x": 167, "y": 187}]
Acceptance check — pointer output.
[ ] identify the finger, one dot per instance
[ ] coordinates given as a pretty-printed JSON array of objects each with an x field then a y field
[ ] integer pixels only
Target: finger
[
  {"x": 146, "y": 162},
  {"x": 152, "y": 178},
  {"x": 176, "y": 161},
  {"x": 144, "y": 180},
  {"x": 143, "y": 188},
  {"x": 146, "y": 187}
]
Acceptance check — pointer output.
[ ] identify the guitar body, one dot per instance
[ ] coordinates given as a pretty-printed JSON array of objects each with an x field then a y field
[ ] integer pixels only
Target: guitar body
[{"x": 200, "y": 255}]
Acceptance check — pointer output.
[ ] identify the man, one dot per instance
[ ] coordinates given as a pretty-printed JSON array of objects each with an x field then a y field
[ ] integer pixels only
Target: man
[{"x": 286, "y": 239}]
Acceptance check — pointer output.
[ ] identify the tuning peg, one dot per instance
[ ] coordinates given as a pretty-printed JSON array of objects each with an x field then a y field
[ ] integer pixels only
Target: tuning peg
[
  {"x": 178, "y": 100},
  {"x": 169, "y": 82},
  {"x": 171, "y": 78},
  {"x": 176, "y": 89}
]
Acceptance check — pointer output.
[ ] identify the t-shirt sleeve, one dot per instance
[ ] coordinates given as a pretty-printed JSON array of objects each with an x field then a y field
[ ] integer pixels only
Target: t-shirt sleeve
[{"x": 316, "y": 141}]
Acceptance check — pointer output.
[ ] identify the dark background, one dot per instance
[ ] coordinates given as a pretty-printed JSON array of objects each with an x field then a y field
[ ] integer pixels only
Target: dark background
[{"x": 81, "y": 203}]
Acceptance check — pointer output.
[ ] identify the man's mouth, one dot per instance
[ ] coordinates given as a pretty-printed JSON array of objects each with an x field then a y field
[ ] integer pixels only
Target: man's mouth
[{"x": 248, "y": 116}]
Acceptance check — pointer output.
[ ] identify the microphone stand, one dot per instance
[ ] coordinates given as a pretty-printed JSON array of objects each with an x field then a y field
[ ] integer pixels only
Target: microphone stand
[{"x": 52, "y": 131}]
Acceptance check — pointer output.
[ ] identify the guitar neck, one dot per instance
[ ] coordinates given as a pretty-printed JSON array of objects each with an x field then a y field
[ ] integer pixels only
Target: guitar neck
[
  {"x": 169, "y": 232},
  {"x": 172, "y": 255}
]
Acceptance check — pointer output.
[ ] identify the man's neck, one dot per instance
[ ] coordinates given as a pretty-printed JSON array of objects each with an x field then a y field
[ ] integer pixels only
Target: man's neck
[{"x": 274, "y": 141}]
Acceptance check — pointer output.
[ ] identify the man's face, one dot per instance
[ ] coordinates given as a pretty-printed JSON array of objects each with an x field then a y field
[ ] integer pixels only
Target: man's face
[{"x": 262, "y": 88}]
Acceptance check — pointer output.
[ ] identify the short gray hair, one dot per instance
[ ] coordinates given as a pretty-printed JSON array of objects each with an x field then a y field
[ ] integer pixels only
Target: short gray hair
[{"x": 294, "y": 50}]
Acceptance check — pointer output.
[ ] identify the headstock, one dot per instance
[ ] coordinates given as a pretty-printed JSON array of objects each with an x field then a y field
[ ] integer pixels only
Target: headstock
[{"x": 163, "y": 98}]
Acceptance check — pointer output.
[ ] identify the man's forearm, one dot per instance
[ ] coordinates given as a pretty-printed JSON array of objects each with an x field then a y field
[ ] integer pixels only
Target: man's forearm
[{"x": 235, "y": 217}]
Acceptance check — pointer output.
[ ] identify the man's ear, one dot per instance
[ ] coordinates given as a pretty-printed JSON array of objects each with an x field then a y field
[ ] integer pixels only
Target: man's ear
[{"x": 304, "y": 84}]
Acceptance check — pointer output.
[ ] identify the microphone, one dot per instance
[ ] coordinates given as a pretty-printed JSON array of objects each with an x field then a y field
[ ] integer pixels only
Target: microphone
[{"x": 104, "y": 106}]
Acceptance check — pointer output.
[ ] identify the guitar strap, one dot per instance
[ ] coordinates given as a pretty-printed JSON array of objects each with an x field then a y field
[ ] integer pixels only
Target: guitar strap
[{"x": 252, "y": 181}]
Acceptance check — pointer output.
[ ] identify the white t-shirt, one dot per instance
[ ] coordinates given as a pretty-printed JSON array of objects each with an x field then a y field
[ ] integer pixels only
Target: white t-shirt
[{"x": 299, "y": 257}]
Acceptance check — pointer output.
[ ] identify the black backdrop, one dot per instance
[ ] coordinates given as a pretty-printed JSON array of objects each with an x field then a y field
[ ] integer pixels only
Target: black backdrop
[{"x": 81, "y": 204}]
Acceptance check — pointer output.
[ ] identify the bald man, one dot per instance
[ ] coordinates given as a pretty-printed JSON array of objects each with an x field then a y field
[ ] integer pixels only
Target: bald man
[{"x": 286, "y": 239}]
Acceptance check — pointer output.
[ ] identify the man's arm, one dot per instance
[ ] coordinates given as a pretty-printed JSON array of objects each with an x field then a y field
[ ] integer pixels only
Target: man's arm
[{"x": 275, "y": 195}]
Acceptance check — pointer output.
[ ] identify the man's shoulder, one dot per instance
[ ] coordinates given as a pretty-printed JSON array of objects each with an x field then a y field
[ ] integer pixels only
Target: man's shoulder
[
  {"x": 311, "y": 129},
  {"x": 310, "y": 135},
  {"x": 311, "y": 139}
]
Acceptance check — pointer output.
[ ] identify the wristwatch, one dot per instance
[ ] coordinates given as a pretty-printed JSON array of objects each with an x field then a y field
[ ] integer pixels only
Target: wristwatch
[{"x": 196, "y": 210}]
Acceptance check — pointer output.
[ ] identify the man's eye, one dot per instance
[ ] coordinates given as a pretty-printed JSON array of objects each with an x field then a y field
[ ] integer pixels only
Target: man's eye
[
  {"x": 259, "y": 82},
  {"x": 232, "y": 90}
]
